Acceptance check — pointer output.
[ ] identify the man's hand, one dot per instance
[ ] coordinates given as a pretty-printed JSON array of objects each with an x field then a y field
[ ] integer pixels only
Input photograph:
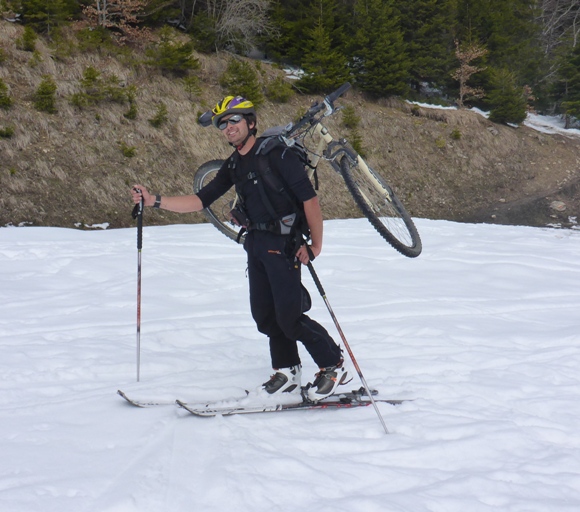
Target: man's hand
[
  {"x": 303, "y": 253},
  {"x": 139, "y": 191}
]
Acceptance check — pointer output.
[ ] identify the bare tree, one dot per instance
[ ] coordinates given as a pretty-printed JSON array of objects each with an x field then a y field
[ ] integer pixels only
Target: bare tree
[
  {"x": 238, "y": 23},
  {"x": 122, "y": 16},
  {"x": 465, "y": 55},
  {"x": 560, "y": 21}
]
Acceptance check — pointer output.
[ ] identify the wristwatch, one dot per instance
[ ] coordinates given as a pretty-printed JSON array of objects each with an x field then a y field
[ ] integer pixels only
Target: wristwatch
[{"x": 157, "y": 203}]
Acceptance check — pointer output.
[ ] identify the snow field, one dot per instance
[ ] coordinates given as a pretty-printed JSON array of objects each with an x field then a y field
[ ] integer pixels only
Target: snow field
[{"x": 481, "y": 331}]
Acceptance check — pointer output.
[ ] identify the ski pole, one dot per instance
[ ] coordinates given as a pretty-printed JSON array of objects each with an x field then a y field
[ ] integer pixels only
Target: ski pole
[
  {"x": 138, "y": 214},
  {"x": 347, "y": 346}
]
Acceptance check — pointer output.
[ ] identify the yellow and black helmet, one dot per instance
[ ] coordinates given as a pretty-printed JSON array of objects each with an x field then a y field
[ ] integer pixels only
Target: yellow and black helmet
[{"x": 231, "y": 105}]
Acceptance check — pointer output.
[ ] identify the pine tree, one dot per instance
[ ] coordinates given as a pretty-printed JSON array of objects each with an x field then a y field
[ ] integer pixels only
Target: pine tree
[
  {"x": 508, "y": 29},
  {"x": 380, "y": 61},
  {"x": 505, "y": 98},
  {"x": 240, "y": 79},
  {"x": 567, "y": 86},
  {"x": 325, "y": 68},
  {"x": 295, "y": 21},
  {"x": 292, "y": 20},
  {"x": 44, "y": 16},
  {"x": 45, "y": 95},
  {"x": 428, "y": 33},
  {"x": 28, "y": 40}
]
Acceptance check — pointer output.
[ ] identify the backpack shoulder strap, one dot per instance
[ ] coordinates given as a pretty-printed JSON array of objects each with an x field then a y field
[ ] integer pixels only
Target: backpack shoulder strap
[{"x": 264, "y": 173}]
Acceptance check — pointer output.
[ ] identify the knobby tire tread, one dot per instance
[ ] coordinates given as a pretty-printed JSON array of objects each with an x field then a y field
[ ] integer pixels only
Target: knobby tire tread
[
  {"x": 411, "y": 247},
  {"x": 216, "y": 213}
]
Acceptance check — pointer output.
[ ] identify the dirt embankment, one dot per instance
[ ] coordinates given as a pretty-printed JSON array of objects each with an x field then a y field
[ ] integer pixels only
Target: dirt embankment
[{"x": 68, "y": 169}]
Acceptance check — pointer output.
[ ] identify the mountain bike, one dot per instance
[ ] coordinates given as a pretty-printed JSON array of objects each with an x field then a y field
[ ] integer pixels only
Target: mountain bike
[{"x": 369, "y": 189}]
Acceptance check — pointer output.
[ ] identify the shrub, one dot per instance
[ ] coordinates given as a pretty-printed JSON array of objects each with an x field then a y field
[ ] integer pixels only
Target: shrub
[
  {"x": 45, "y": 95},
  {"x": 28, "y": 40},
  {"x": 356, "y": 142},
  {"x": 92, "y": 84},
  {"x": 6, "y": 133},
  {"x": 456, "y": 134},
  {"x": 3, "y": 56},
  {"x": 170, "y": 55},
  {"x": 350, "y": 119},
  {"x": 160, "y": 117},
  {"x": 113, "y": 90},
  {"x": 279, "y": 90},
  {"x": 36, "y": 59},
  {"x": 132, "y": 112},
  {"x": 5, "y": 99},
  {"x": 96, "y": 88},
  {"x": 61, "y": 44},
  {"x": 240, "y": 79},
  {"x": 191, "y": 85},
  {"x": 128, "y": 151},
  {"x": 93, "y": 39}
]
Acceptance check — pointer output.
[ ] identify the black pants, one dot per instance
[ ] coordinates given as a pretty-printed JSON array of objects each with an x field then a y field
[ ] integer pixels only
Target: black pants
[{"x": 276, "y": 301}]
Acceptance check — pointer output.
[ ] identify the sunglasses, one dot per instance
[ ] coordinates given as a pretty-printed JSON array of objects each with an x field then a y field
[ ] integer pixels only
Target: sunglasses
[{"x": 235, "y": 119}]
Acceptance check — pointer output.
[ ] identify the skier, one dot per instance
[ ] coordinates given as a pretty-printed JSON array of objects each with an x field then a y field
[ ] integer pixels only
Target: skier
[{"x": 274, "y": 244}]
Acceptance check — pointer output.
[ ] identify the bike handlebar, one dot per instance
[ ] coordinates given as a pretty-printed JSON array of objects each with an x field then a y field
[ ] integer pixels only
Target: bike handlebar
[
  {"x": 328, "y": 103},
  {"x": 333, "y": 96}
]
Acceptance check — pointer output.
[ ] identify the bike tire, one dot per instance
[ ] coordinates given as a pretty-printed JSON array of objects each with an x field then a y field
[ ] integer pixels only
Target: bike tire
[
  {"x": 381, "y": 206},
  {"x": 218, "y": 212}
]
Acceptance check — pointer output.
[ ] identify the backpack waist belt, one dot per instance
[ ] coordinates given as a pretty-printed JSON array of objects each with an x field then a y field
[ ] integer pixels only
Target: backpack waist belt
[{"x": 282, "y": 226}]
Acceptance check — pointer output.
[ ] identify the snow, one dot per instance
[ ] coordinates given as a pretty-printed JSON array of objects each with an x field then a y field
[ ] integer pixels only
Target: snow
[
  {"x": 540, "y": 123},
  {"x": 550, "y": 124},
  {"x": 481, "y": 332}
]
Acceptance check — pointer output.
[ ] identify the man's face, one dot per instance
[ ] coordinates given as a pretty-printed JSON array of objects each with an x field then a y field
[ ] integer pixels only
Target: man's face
[{"x": 236, "y": 130}]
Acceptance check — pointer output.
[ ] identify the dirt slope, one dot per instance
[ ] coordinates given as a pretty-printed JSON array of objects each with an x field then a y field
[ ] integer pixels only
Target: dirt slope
[{"x": 67, "y": 169}]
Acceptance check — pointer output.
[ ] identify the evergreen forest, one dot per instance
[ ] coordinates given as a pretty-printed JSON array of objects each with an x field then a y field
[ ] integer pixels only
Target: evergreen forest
[{"x": 506, "y": 56}]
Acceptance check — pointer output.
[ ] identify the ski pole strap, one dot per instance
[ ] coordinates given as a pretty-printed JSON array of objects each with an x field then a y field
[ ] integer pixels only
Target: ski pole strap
[{"x": 310, "y": 253}]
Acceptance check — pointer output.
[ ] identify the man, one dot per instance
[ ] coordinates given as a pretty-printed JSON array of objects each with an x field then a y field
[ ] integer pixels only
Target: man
[{"x": 277, "y": 297}]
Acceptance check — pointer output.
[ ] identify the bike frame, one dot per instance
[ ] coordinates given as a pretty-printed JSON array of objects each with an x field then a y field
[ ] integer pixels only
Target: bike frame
[{"x": 330, "y": 149}]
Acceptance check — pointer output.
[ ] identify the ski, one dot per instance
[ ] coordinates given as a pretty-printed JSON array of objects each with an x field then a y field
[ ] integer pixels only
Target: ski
[
  {"x": 356, "y": 398},
  {"x": 151, "y": 403},
  {"x": 145, "y": 403}
]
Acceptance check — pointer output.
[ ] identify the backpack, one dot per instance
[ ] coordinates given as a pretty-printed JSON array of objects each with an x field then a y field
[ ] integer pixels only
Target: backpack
[{"x": 272, "y": 187}]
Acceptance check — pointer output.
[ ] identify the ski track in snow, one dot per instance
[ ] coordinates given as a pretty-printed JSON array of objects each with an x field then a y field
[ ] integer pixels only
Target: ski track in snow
[{"x": 481, "y": 331}]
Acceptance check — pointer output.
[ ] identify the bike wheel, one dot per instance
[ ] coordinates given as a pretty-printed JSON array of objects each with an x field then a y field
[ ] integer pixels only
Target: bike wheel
[
  {"x": 218, "y": 212},
  {"x": 382, "y": 208}
]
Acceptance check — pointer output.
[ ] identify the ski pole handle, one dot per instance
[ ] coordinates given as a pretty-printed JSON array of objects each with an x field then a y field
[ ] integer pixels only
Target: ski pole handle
[{"x": 138, "y": 214}]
